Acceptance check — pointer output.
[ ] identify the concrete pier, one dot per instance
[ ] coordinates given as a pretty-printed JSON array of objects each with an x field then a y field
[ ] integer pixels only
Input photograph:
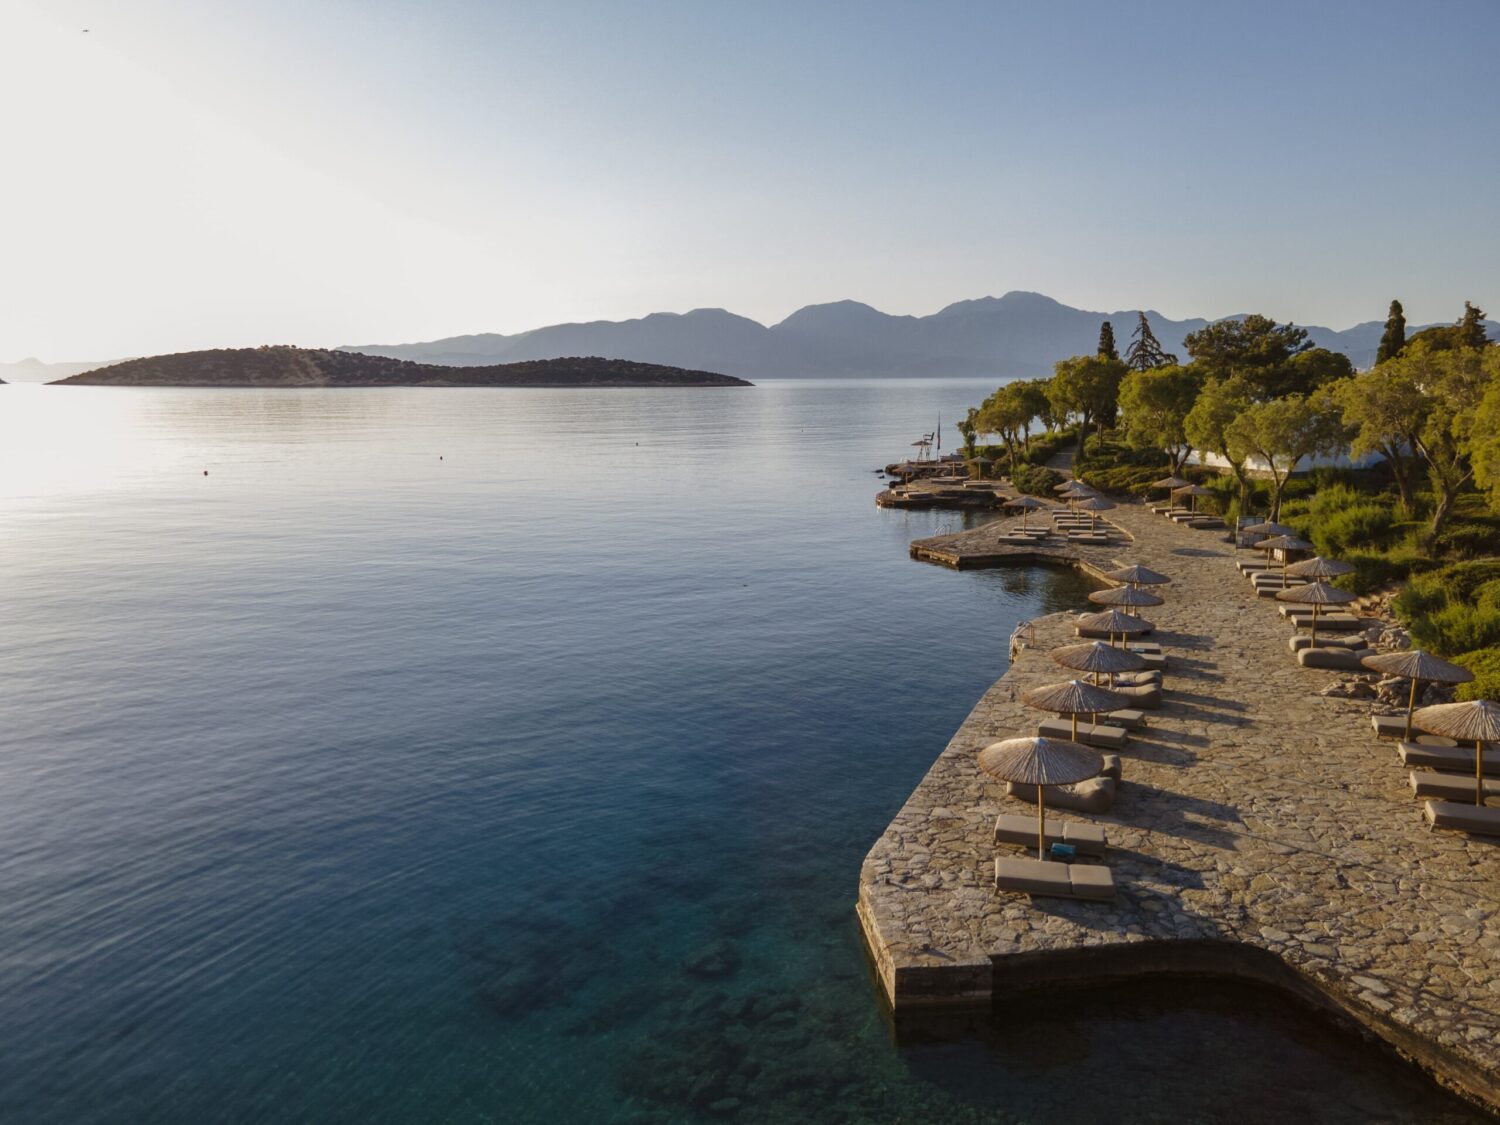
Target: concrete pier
[{"x": 1261, "y": 830}]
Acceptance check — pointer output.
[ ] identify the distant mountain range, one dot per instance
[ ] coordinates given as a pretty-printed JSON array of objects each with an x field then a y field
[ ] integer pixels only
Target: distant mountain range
[
  {"x": 289, "y": 367},
  {"x": 1021, "y": 334}
]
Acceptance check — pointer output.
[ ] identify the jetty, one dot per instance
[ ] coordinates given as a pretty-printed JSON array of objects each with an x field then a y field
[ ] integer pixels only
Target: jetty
[{"x": 1261, "y": 831}]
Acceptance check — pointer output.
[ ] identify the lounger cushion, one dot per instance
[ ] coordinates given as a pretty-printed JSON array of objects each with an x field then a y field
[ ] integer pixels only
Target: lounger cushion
[
  {"x": 1342, "y": 659},
  {"x": 1111, "y": 738},
  {"x": 1389, "y": 726},
  {"x": 1298, "y": 643},
  {"x": 1032, "y": 876},
  {"x": 1463, "y": 818},
  {"x": 1145, "y": 696},
  {"x": 1092, "y": 881},
  {"x": 1449, "y": 786},
  {"x": 1458, "y": 759},
  {"x": 1096, "y": 795},
  {"x": 1018, "y": 828}
]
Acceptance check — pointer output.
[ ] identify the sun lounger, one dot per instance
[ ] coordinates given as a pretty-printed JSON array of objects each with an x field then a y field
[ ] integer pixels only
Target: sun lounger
[
  {"x": 1449, "y": 786},
  {"x": 1339, "y": 659},
  {"x": 1018, "y": 828},
  {"x": 1111, "y": 738},
  {"x": 1101, "y": 634},
  {"x": 1094, "y": 537},
  {"x": 1206, "y": 523},
  {"x": 1145, "y": 696},
  {"x": 1060, "y": 880},
  {"x": 1096, "y": 795},
  {"x": 1155, "y": 661},
  {"x": 1151, "y": 677},
  {"x": 1248, "y": 567},
  {"x": 1463, "y": 818},
  {"x": 1333, "y": 622},
  {"x": 1455, "y": 759},
  {"x": 1129, "y": 718},
  {"x": 1018, "y": 540},
  {"x": 1298, "y": 642},
  {"x": 1389, "y": 726}
]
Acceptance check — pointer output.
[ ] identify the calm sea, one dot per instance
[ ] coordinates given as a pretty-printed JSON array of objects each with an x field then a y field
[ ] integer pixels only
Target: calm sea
[{"x": 483, "y": 755}]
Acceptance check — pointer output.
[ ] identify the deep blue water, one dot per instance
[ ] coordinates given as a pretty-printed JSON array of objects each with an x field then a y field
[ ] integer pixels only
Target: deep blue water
[{"x": 467, "y": 755}]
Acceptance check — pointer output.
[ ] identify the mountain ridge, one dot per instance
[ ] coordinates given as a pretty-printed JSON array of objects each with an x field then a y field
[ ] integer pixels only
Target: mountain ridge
[{"x": 1020, "y": 333}]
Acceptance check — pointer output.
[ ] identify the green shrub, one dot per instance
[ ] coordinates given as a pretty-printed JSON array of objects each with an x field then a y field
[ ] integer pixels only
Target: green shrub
[
  {"x": 1458, "y": 628},
  {"x": 1038, "y": 480},
  {"x": 1485, "y": 664},
  {"x": 1469, "y": 540},
  {"x": 1360, "y": 525},
  {"x": 1455, "y": 608}
]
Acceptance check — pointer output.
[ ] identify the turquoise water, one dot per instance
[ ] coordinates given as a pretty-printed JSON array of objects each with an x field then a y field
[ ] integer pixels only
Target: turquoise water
[{"x": 466, "y": 755}]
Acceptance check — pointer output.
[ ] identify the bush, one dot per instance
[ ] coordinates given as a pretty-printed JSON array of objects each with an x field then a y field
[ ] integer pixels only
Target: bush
[
  {"x": 1485, "y": 664},
  {"x": 1470, "y": 540},
  {"x": 1360, "y": 525},
  {"x": 1455, "y": 608},
  {"x": 1134, "y": 480},
  {"x": 1038, "y": 480}
]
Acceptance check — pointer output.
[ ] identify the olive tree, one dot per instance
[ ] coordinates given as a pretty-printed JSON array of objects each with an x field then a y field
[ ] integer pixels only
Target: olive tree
[
  {"x": 1154, "y": 405},
  {"x": 1282, "y": 433}
]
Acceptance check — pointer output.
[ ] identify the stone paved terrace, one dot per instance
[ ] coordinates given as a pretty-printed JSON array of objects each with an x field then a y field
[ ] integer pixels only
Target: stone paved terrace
[{"x": 1261, "y": 828}]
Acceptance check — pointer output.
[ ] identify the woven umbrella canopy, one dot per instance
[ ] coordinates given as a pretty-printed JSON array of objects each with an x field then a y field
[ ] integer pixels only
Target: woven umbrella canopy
[
  {"x": 1317, "y": 595},
  {"x": 1269, "y": 527},
  {"x": 1170, "y": 483},
  {"x": 1040, "y": 762},
  {"x": 1138, "y": 575},
  {"x": 978, "y": 463},
  {"x": 1417, "y": 666},
  {"x": 1076, "y": 698},
  {"x": 1193, "y": 491},
  {"x": 1112, "y": 622},
  {"x": 1319, "y": 567},
  {"x": 1282, "y": 543},
  {"x": 1098, "y": 658},
  {"x": 1027, "y": 504},
  {"x": 1075, "y": 491},
  {"x": 1132, "y": 596},
  {"x": 1477, "y": 721},
  {"x": 1093, "y": 505}
]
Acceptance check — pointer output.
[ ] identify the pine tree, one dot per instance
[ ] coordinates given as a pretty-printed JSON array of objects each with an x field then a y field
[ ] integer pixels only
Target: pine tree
[
  {"x": 1393, "y": 340},
  {"x": 1471, "y": 330},
  {"x": 1107, "y": 341},
  {"x": 1146, "y": 353}
]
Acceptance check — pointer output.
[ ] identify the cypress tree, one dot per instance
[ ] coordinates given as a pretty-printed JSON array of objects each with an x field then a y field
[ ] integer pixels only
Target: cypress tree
[
  {"x": 1394, "y": 337},
  {"x": 1107, "y": 341},
  {"x": 1471, "y": 330},
  {"x": 1145, "y": 352}
]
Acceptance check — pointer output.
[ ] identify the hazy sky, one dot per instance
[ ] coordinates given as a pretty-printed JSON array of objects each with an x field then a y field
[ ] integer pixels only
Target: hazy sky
[{"x": 197, "y": 173}]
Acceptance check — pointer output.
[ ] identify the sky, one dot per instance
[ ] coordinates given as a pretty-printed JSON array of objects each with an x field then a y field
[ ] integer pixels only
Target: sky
[{"x": 205, "y": 173}]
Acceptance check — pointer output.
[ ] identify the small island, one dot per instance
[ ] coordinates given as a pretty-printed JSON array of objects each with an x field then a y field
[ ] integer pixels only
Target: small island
[{"x": 286, "y": 366}]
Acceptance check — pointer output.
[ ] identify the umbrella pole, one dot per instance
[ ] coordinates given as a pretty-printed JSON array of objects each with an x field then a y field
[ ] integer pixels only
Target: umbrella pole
[
  {"x": 1075, "y": 728},
  {"x": 1411, "y": 703},
  {"x": 1041, "y": 822}
]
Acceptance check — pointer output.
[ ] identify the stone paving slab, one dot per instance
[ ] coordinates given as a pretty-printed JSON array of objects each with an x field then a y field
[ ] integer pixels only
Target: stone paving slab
[{"x": 1252, "y": 811}]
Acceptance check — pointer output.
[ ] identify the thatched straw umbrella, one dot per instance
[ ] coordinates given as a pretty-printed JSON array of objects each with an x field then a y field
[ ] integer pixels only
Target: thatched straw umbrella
[
  {"x": 1112, "y": 622},
  {"x": 1267, "y": 527},
  {"x": 1317, "y": 595},
  {"x": 1170, "y": 483},
  {"x": 1040, "y": 762},
  {"x": 1418, "y": 667},
  {"x": 1076, "y": 698},
  {"x": 1193, "y": 491},
  {"x": 1093, "y": 505},
  {"x": 978, "y": 463},
  {"x": 1027, "y": 504},
  {"x": 1098, "y": 658},
  {"x": 1075, "y": 491},
  {"x": 1138, "y": 575},
  {"x": 1319, "y": 567},
  {"x": 1477, "y": 721},
  {"x": 1131, "y": 596},
  {"x": 1282, "y": 543}
]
